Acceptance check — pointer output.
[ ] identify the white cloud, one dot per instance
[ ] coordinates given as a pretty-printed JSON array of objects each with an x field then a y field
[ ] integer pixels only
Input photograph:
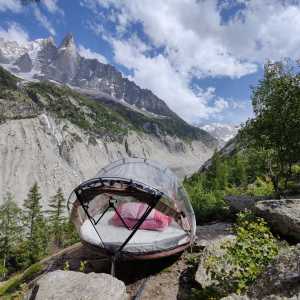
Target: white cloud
[
  {"x": 43, "y": 20},
  {"x": 52, "y": 6},
  {"x": 14, "y": 33},
  {"x": 12, "y": 5},
  {"x": 188, "y": 39},
  {"x": 158, "y": 75},
  {"x": 88, "y": 53}
]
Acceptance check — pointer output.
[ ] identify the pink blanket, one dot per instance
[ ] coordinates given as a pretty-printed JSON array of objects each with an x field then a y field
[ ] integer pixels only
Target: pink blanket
[{"x": 132, "y": 212}]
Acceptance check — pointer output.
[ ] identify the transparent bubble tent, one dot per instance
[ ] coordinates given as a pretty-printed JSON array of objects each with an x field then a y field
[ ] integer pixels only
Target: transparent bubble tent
[{"x": 95, "y": 209}]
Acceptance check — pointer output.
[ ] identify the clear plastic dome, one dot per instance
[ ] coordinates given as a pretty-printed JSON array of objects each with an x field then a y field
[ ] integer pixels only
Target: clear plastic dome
[{"x": 96, "y": 203}]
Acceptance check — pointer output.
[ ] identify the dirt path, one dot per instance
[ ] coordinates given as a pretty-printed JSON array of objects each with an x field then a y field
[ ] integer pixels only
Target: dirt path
[{"x": 165, "y": 279}]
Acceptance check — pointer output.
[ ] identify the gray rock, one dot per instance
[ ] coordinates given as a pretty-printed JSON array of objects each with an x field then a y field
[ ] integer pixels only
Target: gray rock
[
  {"x": 236, "y": 297},
  {"x": 204, "y": 274},
  {"x": 240, "y": 203},
  {"x": 282, "y": 215},
  {"x": 64, "y": 285},
  {"x": 24, "y": 63},
  {"x": 281, "y": 278},
  {"x": 208, "y": 234}
]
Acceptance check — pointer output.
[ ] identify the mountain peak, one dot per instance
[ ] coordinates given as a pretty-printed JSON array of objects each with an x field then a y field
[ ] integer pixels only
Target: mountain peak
[
  {"x": 68, "y": 41},
  {"x": 50, "y": 40}
]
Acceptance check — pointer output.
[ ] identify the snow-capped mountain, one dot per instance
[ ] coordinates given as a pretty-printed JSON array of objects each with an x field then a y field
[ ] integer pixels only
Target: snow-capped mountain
[
  {"x": 222, "y": 132},
  {"x": 42, "y": 59}
]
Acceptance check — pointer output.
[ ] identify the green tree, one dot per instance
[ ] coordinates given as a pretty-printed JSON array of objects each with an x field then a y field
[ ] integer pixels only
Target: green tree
[
  {"x": 275, "y": 128},
  {"x": 10, "y": 233},
  {"x": 35, "y": 225},
  {"x": 57, "y": 218}
]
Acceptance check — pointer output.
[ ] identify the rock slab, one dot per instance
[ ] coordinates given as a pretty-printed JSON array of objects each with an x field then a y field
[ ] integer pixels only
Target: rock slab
[
  {"x": 65, "y": 285},
  {"x": 208, "y": 234},
  {"x": 282, "y": 215}
]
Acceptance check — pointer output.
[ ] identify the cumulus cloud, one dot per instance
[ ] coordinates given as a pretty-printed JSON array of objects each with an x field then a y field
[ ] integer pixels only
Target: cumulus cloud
[
  {"x": 188, "y": 39},
  {"x": 12, "y": 5},
  {"x": 42, "y": 19},
  {"x": 14, "y": 32},
  {"x": 158, "y": 75},
  {"x": 88, "y": 53}
]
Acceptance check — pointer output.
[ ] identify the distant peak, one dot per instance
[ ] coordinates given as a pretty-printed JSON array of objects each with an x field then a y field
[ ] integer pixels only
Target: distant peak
[
  {"x": 50, "y": 40},
  {"x": 68, "y": 41}
]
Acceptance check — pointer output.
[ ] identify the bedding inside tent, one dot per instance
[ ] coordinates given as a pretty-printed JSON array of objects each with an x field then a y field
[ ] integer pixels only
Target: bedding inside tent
[
  {"x": 95, "y": 203},
  {"x": 143, "y": 241}
]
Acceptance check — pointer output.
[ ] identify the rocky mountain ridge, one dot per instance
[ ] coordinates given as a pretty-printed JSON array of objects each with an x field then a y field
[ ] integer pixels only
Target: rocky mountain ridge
[
  {"x": 221, "y": 131},
  {"x": 42, "y": 60}
]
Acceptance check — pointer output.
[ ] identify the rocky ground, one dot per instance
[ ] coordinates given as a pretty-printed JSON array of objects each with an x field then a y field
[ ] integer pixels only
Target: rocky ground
[{"x": 180, "y": 277}]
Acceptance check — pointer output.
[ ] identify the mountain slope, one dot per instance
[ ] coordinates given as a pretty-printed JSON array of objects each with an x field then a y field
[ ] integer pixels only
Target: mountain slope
[{"x": 55, "y": 136}]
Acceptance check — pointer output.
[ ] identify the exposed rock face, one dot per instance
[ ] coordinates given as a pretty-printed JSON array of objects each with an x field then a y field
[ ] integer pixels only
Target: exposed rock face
[
  {"x": 215, "y": 249},
  {"x": 279, "y": 281},
  {"x": 281, "y": 277},
  {"x": 209, "y": 234},
  {"x": 57, "y": 153},
  {"x": 63, "y": 64},
  {"x": 282, "y": 215},
  {"x": 62, "y": 285},
  {"x": 24, "y": 63},
  {"x": 240, "y": 203}
]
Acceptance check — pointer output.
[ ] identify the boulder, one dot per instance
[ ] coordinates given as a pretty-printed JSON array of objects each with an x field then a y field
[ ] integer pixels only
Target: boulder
[
  {"x": 281, "y": 277},
  {"x": 237, "y": 204},
  {"x": 213, "y": 251},
  {"x": 282, "y": 215},
  {"x": 63, "y": 285},
  {"x": 279, "y": 281},
  {"x": 208, "y": 234}
]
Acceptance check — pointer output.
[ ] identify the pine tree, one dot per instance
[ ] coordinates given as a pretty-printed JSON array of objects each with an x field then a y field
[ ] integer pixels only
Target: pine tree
[
  {"x": 10, "y": 233},
  {"x": 34, "y": 222},
  {"x": 57, "y": 219}
]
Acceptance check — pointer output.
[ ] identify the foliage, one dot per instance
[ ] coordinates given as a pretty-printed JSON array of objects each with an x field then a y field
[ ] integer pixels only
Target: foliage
[
  {"x": 82, "y": 266},
  {"x": 275, "y": 128},
  {"x": 207, "y": 205},
  {"x": 27, "y": 235},
  {"x": 10, "y": 228},
  {"x": 7, "y": 80},
  {"x": 66, "y": 266},
  {"x": 14, "y": 282},
  {"x": 56, "y": 217},
  {"x": 253, "y": 249},
  {"x": 239, "y": 174},
  {"x": 35, "y": 225}
]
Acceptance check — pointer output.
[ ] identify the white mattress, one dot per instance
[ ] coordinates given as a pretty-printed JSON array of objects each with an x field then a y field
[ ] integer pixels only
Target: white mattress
[{"x": 143, "y": 240}]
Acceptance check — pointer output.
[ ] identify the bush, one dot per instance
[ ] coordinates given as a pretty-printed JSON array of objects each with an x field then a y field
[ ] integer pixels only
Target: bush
[
  {"x": 260, "y": 187},
  {"x": 207, "y": 205},
  {"x": 254, "y": 248}
]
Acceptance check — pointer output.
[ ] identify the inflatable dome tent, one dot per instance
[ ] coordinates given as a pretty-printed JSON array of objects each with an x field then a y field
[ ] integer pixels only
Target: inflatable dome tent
[{"x": 133, "y": 209}]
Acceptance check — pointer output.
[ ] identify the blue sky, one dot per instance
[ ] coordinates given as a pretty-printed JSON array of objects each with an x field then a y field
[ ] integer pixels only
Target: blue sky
[{"x": 199, "y": 56}]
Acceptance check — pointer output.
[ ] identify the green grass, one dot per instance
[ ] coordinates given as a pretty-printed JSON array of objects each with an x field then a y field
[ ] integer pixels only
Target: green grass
[{"x": 15, "y": 282}]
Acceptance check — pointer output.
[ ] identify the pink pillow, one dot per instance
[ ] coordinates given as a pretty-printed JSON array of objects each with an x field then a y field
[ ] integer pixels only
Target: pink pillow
[{"x": 132, "y": 212}]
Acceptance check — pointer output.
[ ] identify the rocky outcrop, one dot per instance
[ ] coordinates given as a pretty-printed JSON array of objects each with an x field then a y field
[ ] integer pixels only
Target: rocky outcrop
[
  {"x": 280, "y": 278},
  {"x": 282, "y": 215},
  {"x": 215, "y": 250},
  {"x": 57, "y": 153},
  {"x": 61, "y": 285},
  {"x": 64, "y": 64},
  {"x": 24, "y": 63},
  {"x": 279, "y": 281},
  {"x": 237, "y": 204},
  {"x": 212, "y": 233}
]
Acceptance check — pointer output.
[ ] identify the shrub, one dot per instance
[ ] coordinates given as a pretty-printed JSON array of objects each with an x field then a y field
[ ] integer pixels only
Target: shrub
[
  {"x": 207, "y": 205},
  {"x": 253, "y": 249}
]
